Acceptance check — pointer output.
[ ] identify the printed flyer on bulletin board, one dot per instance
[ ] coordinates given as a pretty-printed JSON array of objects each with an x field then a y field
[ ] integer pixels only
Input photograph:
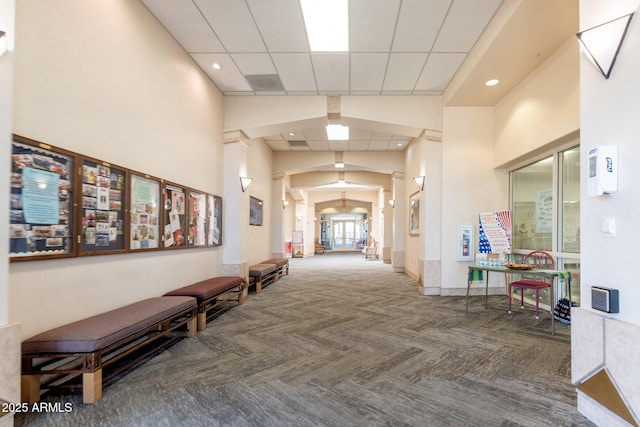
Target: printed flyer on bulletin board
[{"x": 495, "y": 232}]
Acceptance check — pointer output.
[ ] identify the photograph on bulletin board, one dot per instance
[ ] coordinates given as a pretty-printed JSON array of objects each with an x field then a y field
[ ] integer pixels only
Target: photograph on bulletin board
[
  {"x": 102, "y": 207},
  {"x": 144, "y": 212},
  {"x": 197, "y": 216},
  {"x": 175, "y": 216},
  {"x": 41, "y": 201},
  {"x": 214, "y": 220}
]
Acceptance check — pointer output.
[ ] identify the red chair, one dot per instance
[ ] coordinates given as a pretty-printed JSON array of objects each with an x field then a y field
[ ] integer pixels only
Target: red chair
[{"x": 542, "y": 260}]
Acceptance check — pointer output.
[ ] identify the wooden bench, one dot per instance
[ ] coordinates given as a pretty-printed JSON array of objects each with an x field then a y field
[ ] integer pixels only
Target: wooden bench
[
  {"x": 215, "y": 296},
  {"x": 262, "y": 275},
  {"x": 74, "y": 355},
  {"x": 281, "y": 263}
]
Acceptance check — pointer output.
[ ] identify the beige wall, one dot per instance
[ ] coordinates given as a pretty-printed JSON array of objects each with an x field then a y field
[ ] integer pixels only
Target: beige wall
[
  {"x": 413, "y": 244},
  {"x": 470, "y": 184},
  {"x": 542, "y": 109},
  {"x": 259, "y": 168},
  {"x": 106, "y": 80}
]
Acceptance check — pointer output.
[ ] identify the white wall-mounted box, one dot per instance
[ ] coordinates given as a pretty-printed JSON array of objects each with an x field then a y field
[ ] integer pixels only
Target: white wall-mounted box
[{"x": 602, "y": 175}]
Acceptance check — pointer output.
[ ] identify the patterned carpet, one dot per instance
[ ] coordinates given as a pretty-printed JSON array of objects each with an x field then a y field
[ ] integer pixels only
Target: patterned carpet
[{"x": 343, "y": 341}]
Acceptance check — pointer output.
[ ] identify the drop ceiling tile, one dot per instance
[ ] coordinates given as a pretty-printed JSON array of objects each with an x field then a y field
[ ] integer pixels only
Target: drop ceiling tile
[
  {"x": 439, "y": 70},
  {"x": 378, "y": 145},
  {"x": 228, "y": 78},
  {"x": 302, "y": 93},
  {"x": 381, "y": 136},
  {"x": 332, "y": 71},
  {"x": 233, "y": 25},
  {"x": 281, "y": 24},
  {"x": 277, "y": 137},
  {"x": 473, "y": 16},
  {"x": 418, "y": 24},
  {"x": 358, "y": 145},
  {"x": 318, "y": 145},
  {"x": 295, "y": 70},
  {"x": 278, "y": 145},
  {"x": 403, "y": 71},
  {"x": 372, "y": 23},
  {"x": 339, "y": 145},
  {"x": 254, "y": 63},
  {"x": 187, "y": 25},
  {"x": 361, "y": 134},
  {"x": 367, "y": 71},
  {"x": 317, "y": 133}
]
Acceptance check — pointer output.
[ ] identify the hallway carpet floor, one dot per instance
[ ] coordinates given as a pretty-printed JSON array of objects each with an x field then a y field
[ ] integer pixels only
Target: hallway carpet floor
[{"x": 343, "y": 341}]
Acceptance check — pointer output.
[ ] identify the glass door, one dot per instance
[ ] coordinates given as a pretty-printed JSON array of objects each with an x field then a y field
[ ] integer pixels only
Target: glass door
[{"x": 344, "y": 235}]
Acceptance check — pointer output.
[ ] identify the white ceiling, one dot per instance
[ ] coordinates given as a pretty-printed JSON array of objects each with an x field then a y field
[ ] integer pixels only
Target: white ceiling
[{"x": 397, "y": 47}]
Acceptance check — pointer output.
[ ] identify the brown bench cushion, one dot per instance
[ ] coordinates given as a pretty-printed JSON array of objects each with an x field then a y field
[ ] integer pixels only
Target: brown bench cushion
[
  {"x": 277, "y": 261},
  {"x": 259, "y": 270},
  {"x": 97, "y": 332},
  {"x": 209, "y": 288}
]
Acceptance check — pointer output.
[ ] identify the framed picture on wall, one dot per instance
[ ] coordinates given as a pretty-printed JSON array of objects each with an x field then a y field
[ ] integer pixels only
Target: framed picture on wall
[
  {"x": 214, "y": 220},
  {"x": 102, "y": 208},
  {"x": 414, "y": 214},
  {"x": 255, "y": 211},
  {"x": 197, "y": 215},
  {"x": 175, "y": 216},
  {"x": 41, "y": 201},
  {"x": 144, "y": 212}
]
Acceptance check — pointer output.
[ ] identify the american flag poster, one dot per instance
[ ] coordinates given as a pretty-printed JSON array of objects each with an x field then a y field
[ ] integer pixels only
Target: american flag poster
[{"x": 495, "y": 232}]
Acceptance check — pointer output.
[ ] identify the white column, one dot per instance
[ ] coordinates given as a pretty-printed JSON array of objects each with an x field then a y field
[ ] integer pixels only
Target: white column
[
  {"x": 431, "y": 219},
  {"x": 235, "y": 221},
  {"x": 399, "y": 211},
  {"x": 277, "y": 215},
  {"x": 9, "y": 333},
  {"x": 387, "y": 232}
]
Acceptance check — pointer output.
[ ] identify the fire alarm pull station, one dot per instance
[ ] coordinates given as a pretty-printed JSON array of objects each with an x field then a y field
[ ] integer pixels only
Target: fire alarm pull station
[{"x": 603, "y": 170}]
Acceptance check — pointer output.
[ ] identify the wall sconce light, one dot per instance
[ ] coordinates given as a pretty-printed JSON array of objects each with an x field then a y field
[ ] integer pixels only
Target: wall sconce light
[
  {"x": 285, "y": 203},
  {"x": 299, "y": 217},
  {"x": 419, "y": 182},
  {"x": 245, "y": 182},
  {"x": 602, "y": 43},
  {"x": 392, "y": 202},
  {"x": 3, "y": 43}
]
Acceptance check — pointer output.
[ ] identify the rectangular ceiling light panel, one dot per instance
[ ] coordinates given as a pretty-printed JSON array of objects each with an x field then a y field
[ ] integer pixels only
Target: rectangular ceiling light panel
[{"x": 327, "y": 23}]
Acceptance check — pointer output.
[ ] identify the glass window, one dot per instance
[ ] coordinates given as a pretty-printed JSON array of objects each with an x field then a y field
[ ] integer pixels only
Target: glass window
[
  {"x": 532, "y": 201},
  {"x": 570, "y": 195},
  {"x": 546, "y": 216}
]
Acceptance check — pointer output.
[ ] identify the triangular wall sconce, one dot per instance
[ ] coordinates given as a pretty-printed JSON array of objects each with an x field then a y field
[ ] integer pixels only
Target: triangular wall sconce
[{"x": 602, "y": 43}]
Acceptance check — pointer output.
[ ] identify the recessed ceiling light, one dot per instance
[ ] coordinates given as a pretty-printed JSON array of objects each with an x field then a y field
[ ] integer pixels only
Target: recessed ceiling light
[
  {"x": 292, "y": 134},
  {"x": 399, "y": 144},
  {"x": 339, "y": 165},
  {"x": 216, "y": 65},
  {"x": 327, "y": 24},
  {"x": 492, "y": 82}
]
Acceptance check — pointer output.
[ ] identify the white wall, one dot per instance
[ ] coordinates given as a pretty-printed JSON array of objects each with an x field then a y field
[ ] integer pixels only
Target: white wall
[
  {"x": 6, "y": 89},
  {"x": 105, "y": 79},
  {"x": 609, "y": 112}
]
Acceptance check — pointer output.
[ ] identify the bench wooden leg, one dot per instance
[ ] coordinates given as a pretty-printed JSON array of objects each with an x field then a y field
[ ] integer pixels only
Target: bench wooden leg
[
  {"x": 259, "y": 285},
  {"x": 243, "y": 292},
  {"x": 30, "y": 390},
  {"x": 202, "y": 321},
  {"x": 92, "y": 386},
  {"x": 192, "y": 325}
]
